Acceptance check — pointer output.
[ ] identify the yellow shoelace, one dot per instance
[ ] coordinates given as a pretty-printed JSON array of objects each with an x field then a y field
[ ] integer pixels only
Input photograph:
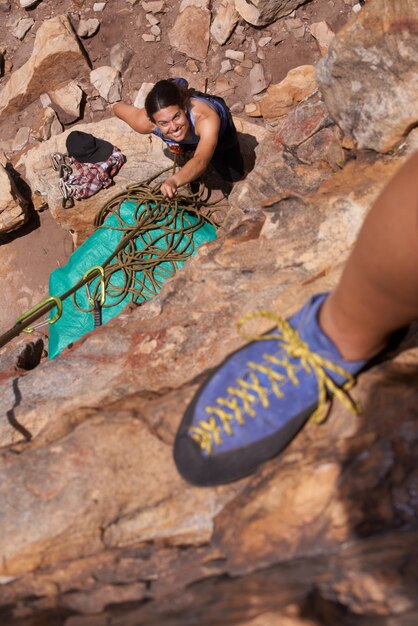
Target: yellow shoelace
[{"x": 228, "y": 410}]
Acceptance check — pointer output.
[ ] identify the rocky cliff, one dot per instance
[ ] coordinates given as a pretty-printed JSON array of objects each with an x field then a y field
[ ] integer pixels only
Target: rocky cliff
[{"x": 97, "y": 527}]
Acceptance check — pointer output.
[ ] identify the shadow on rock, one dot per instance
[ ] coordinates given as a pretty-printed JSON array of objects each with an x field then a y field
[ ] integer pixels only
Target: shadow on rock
[
  {"x": 33, "y": 222},
  {"x": 374, "y": 578}
]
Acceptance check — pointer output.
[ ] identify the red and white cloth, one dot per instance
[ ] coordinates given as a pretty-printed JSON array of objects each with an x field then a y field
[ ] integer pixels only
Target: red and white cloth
[{"x": 88, "y": 178}]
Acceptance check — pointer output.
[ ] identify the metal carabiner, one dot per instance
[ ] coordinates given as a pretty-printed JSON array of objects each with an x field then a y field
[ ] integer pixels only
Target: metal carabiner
[
  {"x": 52, "y": 320},
  {"x": 67, "y": 203},
  {"x": 58, "y": 159},
  {"x": 67, "y": 194},
  {"x": 99, "y": 269},
  {"x": 64, "y": 171}
]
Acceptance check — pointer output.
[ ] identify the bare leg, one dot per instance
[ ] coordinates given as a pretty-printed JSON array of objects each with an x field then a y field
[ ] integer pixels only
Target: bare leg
[{"x": 378, "y": 290}]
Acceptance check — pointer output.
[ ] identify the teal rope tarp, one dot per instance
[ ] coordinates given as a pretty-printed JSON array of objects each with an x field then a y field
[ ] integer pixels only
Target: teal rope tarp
[{"x": 164, "y": 247}]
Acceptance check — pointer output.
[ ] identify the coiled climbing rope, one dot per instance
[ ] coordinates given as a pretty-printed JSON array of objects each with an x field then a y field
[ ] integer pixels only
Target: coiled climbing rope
[
  {"x": 144, "y": 267},
  {"x": 151, "y": 249}
]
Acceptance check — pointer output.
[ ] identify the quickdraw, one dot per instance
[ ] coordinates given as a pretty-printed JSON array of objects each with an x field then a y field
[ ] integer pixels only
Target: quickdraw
[
  {"x": 97, "y": 303},
  {"x": 62, "y": 164}
]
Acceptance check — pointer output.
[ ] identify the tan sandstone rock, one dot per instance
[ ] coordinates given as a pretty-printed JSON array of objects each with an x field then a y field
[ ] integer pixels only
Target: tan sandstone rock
[
  {"x": 145, "y": 157},
  {"x": 280, "y": 98},
  {"x": 376, "y": 108},
  {"x": 322, "y": 34},
  {"x": 66, "y": 102},
  {"x": 13, "y": 207},
  {"x": 108, "y": 83},
  {"x": 190, "y": 33},
  {"x": 46, "y": 124},
  {"x": 224, "y": 21},
  {"x": 56, "y": 58}
]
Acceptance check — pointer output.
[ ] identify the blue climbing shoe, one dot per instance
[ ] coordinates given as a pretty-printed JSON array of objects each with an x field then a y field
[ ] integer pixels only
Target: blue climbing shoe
[{"x": 260, "y": 397}]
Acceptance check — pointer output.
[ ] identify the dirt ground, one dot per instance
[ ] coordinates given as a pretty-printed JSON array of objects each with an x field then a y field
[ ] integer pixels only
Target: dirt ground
[
  {"x": 26, "y": 260},
  {"x": 28, "y": 256},
  {"x": 122, "y": 23}
]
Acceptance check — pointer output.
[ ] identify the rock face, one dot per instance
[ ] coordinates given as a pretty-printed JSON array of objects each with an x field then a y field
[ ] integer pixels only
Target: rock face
[
  {"x": 97, "y": 527},
  {"x": 56, "y": 58},
  {"x": 374, "y": 112},
  {"x": 13, "y": 207},
  {"x": 277, "y": 172},
  {"x": 114, "y": 522}
]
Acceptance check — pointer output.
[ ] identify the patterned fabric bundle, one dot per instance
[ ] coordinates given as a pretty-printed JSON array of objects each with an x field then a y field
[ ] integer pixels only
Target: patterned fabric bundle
[
  {"x": 88, "y": 165},
  {"x": 87, "y": 178}
]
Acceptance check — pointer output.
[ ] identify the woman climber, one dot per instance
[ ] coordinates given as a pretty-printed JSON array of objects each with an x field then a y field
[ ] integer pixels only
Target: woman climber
[{"x": 188, "y": 120}]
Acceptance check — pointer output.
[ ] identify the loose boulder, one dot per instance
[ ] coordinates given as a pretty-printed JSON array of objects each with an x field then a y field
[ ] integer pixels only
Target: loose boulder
[
  {"x": 56, "y": 58},
  {"x": 369, "y": 80},
  {"x": 108, "y": 83},
  {"x": 45, "y": 124},
  {"x": 66, "y": 102},
  {"x": 224, "y": 22},
  {"x": 190, "y": 33}
]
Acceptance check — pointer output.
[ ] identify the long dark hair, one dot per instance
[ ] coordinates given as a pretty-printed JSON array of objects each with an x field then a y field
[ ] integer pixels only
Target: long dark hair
[{"x": 165, "y": 93}]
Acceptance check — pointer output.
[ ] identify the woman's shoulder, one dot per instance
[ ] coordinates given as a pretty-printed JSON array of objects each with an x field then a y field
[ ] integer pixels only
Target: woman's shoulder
[{"x": 200, "y": 107}]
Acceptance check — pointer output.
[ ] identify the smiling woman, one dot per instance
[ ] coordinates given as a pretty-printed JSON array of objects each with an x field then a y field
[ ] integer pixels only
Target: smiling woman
[
  {"x": 188, "y": 120},
  {"x": 173, "y": 122}
]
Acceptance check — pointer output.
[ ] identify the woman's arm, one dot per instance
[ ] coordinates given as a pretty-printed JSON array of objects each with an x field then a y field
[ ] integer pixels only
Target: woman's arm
[
  {"x": 207, "y": 128},
  {"x": 136, "y": 118}
]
